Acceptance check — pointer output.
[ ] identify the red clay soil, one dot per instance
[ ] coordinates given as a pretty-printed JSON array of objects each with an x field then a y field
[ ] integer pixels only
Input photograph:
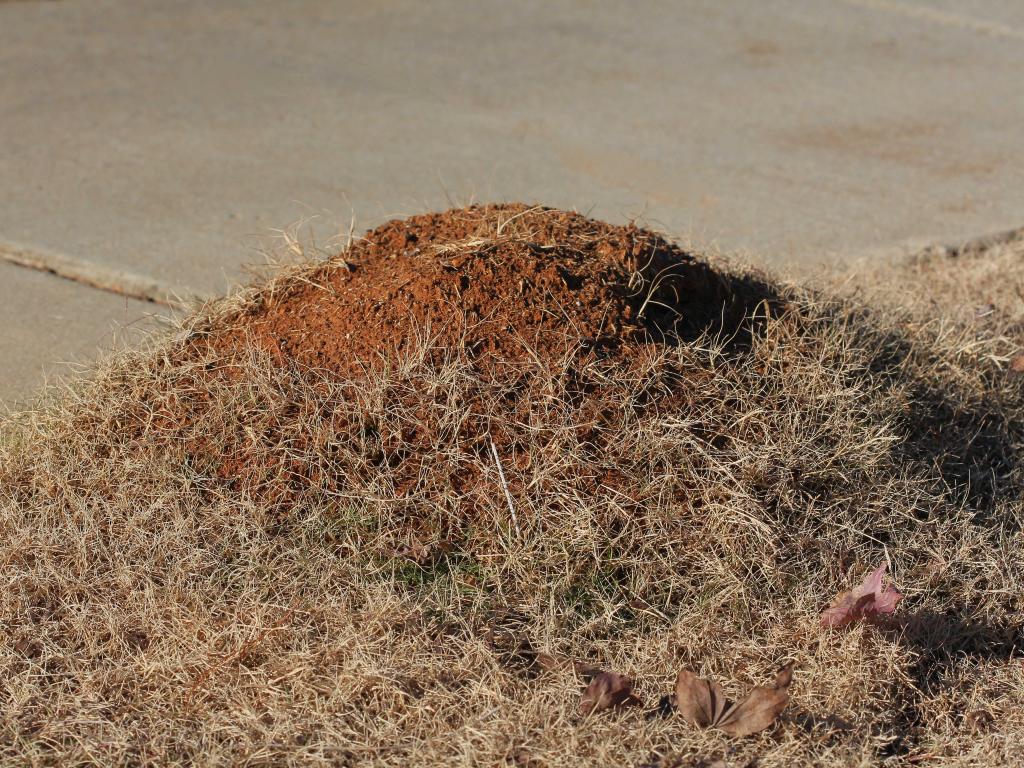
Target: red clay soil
[
  {"x": 508, "y": 281},
  {"x": 495, "y": 286}
]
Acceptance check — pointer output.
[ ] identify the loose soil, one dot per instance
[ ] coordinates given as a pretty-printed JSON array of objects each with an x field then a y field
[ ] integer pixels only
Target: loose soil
[
  {"x": 512, "y": 291},
  {"x": 498, "y": 281}
]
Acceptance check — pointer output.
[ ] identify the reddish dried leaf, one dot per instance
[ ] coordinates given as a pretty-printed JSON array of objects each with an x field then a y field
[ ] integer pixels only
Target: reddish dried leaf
[
  {"x": 843, "y": 609},
  {"x": 872, "y": 598},
  {"x": 607, "y": 690}
]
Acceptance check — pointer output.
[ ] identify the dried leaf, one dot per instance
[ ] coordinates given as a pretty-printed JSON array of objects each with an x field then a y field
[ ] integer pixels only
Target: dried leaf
[
  {"x": 872, "y": 598},
  {"x": 523, "y": 758},
  {"x": 702, "y": 703},
  {"x": 28, "y": 647},
  {"x": 586, "y": 671},
  {"x": 549, "y": 662},
  {"x": 552, "y": 662},
  {"x": 760, "y": 708},
  {"x": 416, "y": 552},
  {"x": 978, "y": 720},
  {"x": 607, "y": 690}
]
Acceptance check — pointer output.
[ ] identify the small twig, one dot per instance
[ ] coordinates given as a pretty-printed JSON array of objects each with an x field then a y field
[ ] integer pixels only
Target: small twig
[{"x": 504, "y": 485}]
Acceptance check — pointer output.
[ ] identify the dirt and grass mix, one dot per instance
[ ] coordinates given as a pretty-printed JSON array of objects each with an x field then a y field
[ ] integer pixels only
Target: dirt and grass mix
[{"x": 399, "y": 507}]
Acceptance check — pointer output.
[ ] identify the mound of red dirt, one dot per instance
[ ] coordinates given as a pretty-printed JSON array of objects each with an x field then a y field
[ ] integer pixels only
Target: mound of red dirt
[
  {"x": 550, "y": 310},
  {"x": 503, "y": 281}
]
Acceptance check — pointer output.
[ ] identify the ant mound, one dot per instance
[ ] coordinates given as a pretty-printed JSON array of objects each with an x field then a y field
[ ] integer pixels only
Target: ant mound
[
  {"x": 507, "y": 282},
  {"x": 428, "y": 348}
]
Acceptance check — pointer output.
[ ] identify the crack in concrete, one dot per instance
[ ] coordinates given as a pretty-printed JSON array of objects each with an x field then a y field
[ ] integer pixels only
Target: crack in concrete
[{"x": 93, "y": 275}]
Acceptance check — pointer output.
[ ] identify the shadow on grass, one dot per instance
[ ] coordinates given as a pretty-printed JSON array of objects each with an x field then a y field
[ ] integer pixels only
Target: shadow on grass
[
  {"x": 971, "y": 440},
  {"x": 689, "y": 298},
  {"x": 941, "y": 640}
]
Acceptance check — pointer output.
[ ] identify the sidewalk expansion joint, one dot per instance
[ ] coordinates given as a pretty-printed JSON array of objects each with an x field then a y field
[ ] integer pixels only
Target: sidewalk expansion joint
[{"x": 92, "y": 275}]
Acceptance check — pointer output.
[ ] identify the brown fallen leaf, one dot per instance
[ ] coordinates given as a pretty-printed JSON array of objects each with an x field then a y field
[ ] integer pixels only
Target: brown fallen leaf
[
  {"x": 872, "y": 598},
  {"x": 552, "y": 662},
  {"x": 978, "y": 720},
  {"x": 416, "y": 552},
  {"x": 703, "y": 703},
  {"x": 607, "y": 690},
  {"x": 28, "y": 647}
]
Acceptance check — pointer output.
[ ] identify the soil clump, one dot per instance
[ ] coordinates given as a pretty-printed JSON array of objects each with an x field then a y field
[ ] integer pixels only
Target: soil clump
[{"x": 507, "y": 282}]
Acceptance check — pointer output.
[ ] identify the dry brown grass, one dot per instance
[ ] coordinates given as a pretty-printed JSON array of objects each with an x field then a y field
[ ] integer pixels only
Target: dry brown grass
[{"x": 152, "y": 614}]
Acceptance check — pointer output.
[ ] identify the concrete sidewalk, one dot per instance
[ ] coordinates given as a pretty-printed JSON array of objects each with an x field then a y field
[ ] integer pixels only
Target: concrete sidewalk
[{"x": 166, "y": 138}]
